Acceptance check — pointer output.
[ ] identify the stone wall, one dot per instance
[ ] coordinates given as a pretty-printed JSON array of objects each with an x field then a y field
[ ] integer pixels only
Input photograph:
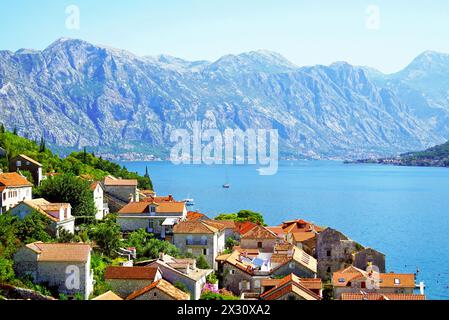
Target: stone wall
[
  {"x": 124, "y": 287},
  {"x": 366, "y": 257},
  {"x": 334, "y": 252}
]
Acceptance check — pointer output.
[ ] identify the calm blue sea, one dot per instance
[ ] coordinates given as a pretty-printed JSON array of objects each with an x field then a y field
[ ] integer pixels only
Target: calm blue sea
[{"x": 403, "y": 212}]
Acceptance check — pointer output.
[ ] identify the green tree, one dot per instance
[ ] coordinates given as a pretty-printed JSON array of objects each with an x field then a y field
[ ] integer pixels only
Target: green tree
[
  {"x": 202, "y": 263},
  {"x": 155, "y": 247},
  {"x": 139, "y": 239},
  {"x": 34, "y": 227},
  {"x": 42, "y": 146},
  {"x": 208, "y": 295},
  {"x": 8, "y": 235},
  {"x": 68, "y": 188},
  {"x": 107, "y": 235},
  {"x": 2, "y": 128},
  {"x": 14, "y": 132},
  {"x": 243, "y": 216},
  {"x": 6, "y": 270}
]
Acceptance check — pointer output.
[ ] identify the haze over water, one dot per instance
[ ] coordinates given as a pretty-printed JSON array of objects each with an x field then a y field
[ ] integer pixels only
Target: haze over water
[{"x": 400, "y": 211}]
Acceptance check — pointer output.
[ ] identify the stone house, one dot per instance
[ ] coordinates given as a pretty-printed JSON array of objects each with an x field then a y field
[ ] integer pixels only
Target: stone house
[
  {"x": 354, "y": 280},
  {"x": 183, "y": 271},
  {"x": 259, "y": 238},
  {"x": 156, "y": 218},
  {"x": 65, "y": 267},
  {"x": 369, "y": 257},
  {"x": 291, "y": 287},
  {"x": 244, "y": 270},
  {"x": 200, "y": 237},
  {"x": 100, "y": 204},
  {"x": 303, "y": 240},
  {"x": 119, "y": 192},
  {"x": 14, "y": 188},
  {"x": 25, "y": 163},
  {"x": 60, "y": 214},
  {"x": 159, "y": 290},
  {"x": 126, "y": 280},
  {"x": 334, "y": 252}
]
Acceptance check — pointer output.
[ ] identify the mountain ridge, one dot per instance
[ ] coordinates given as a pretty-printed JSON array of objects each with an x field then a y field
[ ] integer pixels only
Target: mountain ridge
[{"x": 76, "y": 94}]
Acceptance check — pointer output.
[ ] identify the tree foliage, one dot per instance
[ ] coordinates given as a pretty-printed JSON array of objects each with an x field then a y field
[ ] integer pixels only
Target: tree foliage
[
  {"x": 68, "y": 188},
  {"x": 107, "y": 235},
  {"x": 202, "y": 263},
  {"x": 243, "y": 216}
]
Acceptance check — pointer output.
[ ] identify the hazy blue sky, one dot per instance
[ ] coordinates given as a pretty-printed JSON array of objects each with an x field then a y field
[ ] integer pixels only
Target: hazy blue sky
[{"x": 306, "y": 32}]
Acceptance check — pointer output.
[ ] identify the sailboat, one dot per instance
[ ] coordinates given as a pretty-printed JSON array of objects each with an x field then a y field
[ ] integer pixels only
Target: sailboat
[{"x": 227, "y": 185}]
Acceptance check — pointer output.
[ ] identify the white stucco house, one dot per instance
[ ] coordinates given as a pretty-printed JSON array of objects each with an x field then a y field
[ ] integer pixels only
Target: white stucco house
[
  {"x": 201, "y": 237},
  {"x": 14, "y": 188},
  {"x": 66, "y": 267},
  {"x": 59, "y": 213},
  {"x": 100, "y": 203},
  {"x": 156, "y": 218}
]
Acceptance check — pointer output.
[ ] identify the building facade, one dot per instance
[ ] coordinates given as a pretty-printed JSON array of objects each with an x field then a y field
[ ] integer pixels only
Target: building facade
[{"x": 14, "y": 188}]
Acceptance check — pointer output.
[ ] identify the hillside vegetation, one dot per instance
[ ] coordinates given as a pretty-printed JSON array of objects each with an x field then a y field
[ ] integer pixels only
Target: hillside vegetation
[{"x": 77, "y": 163}]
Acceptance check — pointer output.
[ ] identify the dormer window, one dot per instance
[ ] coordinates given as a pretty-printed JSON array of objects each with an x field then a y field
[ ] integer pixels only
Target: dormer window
[
  {"x": 397, "y": 281},
  {"x": 152, "y": 210}
]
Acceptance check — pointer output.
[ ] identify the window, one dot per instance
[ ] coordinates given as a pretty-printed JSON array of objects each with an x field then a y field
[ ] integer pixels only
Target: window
[
  {"x": 152, "y": 209},
  {"x": 204, "y": 252},
  {"x": 363, "y": 285},
  {"x": 4, "y": 196},
  {"x": 18, "y": 163},
  {"x": 27, "y": 163},
  {"x": 232, "y": 272},
  {"x": 342, "y": 280},
  {"x": 257, "y": 284},
  {"x": 259, "y": 245},
  {"x": 329, "y": 253},
  {"x": 155, "y": 294},
  {"x": 329, "y": 270}
]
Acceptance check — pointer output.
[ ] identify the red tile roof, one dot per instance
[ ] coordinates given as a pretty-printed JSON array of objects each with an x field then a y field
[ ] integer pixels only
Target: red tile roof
[
  {"x": 244, "y": 227},
  {"x": 164, "y": 286},
  {"x": 344, "y": 277},
  {"x": 194, "y": 227},
  {"x": 61, "y": 252},
  {"x": 109, "y": 181},
  {"x": 161, "y": 208},
  {"x": 259, "y": 232},
  {"x": 131, "y": 273},
  {"x": 192, "y": 216},
  {"x": 294, "y": 284},
  {"x": 379, "y": 296},
  {"x": 14, "y": 180}
]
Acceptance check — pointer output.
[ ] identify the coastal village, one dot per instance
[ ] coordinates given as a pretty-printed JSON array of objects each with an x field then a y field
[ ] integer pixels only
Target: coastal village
[{"x": 220, "y": 259}]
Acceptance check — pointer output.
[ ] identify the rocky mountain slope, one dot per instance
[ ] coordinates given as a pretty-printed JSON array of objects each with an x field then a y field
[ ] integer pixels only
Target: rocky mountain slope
[{"x": 77, "y": 94}]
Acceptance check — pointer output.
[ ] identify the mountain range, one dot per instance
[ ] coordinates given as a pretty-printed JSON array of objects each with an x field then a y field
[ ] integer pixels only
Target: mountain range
[{"x": 76, "y": 94}]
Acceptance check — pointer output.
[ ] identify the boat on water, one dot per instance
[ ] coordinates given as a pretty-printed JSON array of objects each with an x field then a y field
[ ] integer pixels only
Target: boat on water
[{"x": 226, "y": 186}]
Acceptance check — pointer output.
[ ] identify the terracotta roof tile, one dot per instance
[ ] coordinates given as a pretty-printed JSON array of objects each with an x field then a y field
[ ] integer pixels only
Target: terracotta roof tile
[
  {"x": 192, "y": 216},
  {"x": 163, "y": 285},
  {"x": 61, "y": 252},
  {"x": 259, "y": 232},
  {"x": 134, "y": 273},
  {"x": 194, "y": 227},
  {"x": 109, "y": 181},
  {"x": 294, "y": 284},
  {"x": 344, "y": 277},
  {"x": 108, "y": 296},
  {"x": 14, "y": 179},
  {"x": 378, "y": 296}
]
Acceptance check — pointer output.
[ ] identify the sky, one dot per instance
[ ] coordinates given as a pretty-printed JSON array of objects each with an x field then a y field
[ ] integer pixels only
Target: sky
[{"x": 383, "y": 34}]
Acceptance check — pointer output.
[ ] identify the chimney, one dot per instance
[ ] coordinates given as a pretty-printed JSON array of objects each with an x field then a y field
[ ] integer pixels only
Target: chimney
[
  {"x": 421, "y": 287},
  {"x": 161, "y": 256}
]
